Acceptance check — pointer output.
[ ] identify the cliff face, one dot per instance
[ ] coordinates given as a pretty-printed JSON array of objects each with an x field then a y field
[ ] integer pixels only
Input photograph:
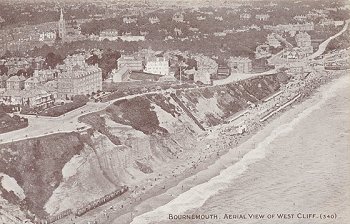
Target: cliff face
[
  {"x": 129, "y": 142},
  {"x": 36, "y": 165}
]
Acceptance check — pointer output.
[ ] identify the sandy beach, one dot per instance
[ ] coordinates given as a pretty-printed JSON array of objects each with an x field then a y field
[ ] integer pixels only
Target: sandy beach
[
  {"x": 251, "y": 154},
  {"x": 191, "y": 170}
]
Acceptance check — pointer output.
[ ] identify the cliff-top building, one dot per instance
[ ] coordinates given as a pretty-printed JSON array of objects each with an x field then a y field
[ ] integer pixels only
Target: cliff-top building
[
  {"x": 157, "y": 65},
  {"x": 78, "y": 78}
]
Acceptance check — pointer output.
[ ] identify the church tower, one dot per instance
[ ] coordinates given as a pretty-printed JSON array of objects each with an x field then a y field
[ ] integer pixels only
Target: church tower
[{"x": 61, "y": 27}]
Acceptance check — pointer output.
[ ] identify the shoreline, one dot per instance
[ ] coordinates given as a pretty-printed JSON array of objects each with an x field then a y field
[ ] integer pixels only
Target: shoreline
[{"x": 123, "y": 209}]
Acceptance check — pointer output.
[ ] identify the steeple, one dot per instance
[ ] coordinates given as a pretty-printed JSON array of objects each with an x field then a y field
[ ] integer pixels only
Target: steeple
[
  {"x": 61, "y": 27},
  {"x": 61, "y": 16}
]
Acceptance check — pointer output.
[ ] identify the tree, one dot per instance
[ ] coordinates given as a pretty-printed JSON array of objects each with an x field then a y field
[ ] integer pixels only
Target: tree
[
  {"x": 52, "y": 60},
  {"x": 108, "y": 62},
  {"x": 7, "y": 54},
  {"x": 3, "y": 70},
  {"x": 92, "y": 60}
]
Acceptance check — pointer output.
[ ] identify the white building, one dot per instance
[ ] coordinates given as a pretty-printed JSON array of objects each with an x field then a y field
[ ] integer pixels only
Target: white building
[
  {"x": 178, "y": 17},
  {"x": 273, "y": 41},
  {"x": 303, "y": 41},
  {"x": 200, "y": 18},
  {"x": 121, "y": 74},
  {"x": 219, "y": 18},
  {"x": 109, "y": 34},
  {"x": 31, "y": 83},
  {"x": 300, "y": 18},
  {"x": 47, "y": 36},
  {"x": 177, "y": 31},
  {"x": 157, "y": 65},
  {"x": 153, "y": 20},
  {"x": 128, "y": 20},
  {"x": 245, "y": 16},
  {"x": 129, "y": 38},
  {"x": 219, "y": 34},
  {"x": 262, "y": 17}
]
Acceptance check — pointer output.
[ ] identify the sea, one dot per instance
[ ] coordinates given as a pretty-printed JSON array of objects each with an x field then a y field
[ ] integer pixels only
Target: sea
[{"x": 297, "y": 171}]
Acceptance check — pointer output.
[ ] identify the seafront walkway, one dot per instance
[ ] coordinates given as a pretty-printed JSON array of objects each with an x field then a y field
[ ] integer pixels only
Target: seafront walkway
[{"x": 322, "y": 47}]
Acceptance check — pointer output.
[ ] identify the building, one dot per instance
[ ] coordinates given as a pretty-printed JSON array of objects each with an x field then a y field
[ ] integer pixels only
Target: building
[
  {"x": 131, "y": 62},
  {"x": 223, "y": 71},
  {"x": 33, "y": 98},
  {"x": 300, "y": 18},
  {"x": 262, "y": 17},
  {"x": 330, "y": 22},
  {"x": 245, "y": 16},
  {"x": 177, "y": 31},
  {"x": 239, "y": 64},
  {"x": 273, "y": 41},
  {"x": 3, "y": 79},
  {"x": 206, "y": 64},
  {"x": 202, "y": 76},
  {"x": 178, "y": 17},
  {"x": 46, "y": 75},
  {"x": 31, "y": 83},
  {"x": 291, "y": 27},
  {"x": 49, "y": 36},
  {"x": 262, "y": 51},
  {"x": 200, "y": 18},
  {"x": 157, "y": 65},
  {"x": 303, "y": 41},
  {"x": 120, "y": 75},
  {"x": 144, "y": 32},
  {"x": 294, "y": 54},
  {"x": 62, "y": 27},
  {"x": 131, "y": 38},
  {"x": 15, "y": 83},
  {"x": 219, "y": 34},
  {"x": 78, "y": 78},
  {"x": 219, "y": 18},
  {"x": 128, "y": 20},
  {"x": 109, "y": 34},
  {"x": 14, "y": 64},
  {"x": 153, "y": 20}
]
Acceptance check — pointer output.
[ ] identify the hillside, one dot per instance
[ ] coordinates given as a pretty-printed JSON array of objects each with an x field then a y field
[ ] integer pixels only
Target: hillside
[{"x": 129, "y": 143}]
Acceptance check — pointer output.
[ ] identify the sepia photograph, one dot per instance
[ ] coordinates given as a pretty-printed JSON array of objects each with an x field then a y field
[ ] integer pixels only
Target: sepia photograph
[{"x": 174, "y": 112}]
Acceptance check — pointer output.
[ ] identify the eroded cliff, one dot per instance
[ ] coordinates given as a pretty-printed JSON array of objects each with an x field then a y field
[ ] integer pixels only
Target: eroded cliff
[{"x": 128, "y": 143}]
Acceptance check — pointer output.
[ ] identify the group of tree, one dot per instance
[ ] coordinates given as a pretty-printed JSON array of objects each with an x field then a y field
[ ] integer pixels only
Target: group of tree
[{"x": 107, "y": 62}]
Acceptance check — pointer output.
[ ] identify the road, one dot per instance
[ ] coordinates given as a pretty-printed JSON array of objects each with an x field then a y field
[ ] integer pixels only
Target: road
[
  {"x": 325, "y": 43},
  {"x": 241, "y": 76},
  {"x": 41, "y": 126}
]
